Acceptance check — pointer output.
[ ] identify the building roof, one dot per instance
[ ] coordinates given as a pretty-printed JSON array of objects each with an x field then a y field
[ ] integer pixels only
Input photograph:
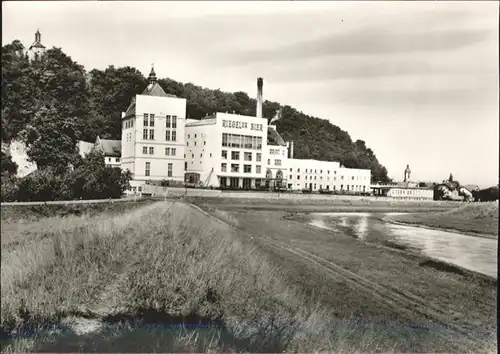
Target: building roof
[
  {"x": 274, "y": 138},
  {"x": 154, "y": 89},
  {"x": 111, "y": 147}
]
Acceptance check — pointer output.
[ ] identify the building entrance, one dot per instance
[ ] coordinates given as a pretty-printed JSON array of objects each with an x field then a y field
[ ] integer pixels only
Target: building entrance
[{"x": 234, "y": 182}]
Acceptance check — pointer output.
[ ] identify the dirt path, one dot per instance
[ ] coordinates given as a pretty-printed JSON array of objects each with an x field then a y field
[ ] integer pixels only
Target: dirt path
[{"x": 337, "y": 271}]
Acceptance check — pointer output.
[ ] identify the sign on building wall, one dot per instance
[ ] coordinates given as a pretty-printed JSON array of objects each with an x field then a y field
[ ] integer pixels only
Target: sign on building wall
[{"x": 241, "y": 125}]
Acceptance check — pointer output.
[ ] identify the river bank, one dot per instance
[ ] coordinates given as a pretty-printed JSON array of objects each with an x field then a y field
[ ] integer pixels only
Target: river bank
[{"x": 473, "y": 218}]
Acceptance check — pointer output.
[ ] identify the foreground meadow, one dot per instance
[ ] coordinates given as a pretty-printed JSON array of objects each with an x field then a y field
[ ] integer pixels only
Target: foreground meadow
[
  {"x": 165, "y": 264},
  {"x": 481, "y": 218},
  {"x": 164, "y": 277}
]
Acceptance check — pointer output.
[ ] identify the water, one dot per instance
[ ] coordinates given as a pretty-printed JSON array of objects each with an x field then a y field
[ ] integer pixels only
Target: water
[{"x": 469, "y": 252}]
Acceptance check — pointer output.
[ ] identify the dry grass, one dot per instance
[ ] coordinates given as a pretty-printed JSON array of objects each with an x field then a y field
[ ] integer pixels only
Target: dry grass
[
  {"x": 163, "y": 263},
  {"x": 474, "y": 218}
]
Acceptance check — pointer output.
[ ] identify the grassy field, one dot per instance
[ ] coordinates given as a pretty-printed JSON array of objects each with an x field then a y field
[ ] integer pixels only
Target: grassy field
[
  {"x": 465, "y": 298},
  {"x": 163, "y": 263},
  {"x": 479, "y": 218},
  {"x": 164, "y": 277},
  {"x": 326, "y": 205}
]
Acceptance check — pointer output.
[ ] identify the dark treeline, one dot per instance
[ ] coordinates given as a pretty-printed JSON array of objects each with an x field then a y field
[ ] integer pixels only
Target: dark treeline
[{"x": 52, "y": 103}]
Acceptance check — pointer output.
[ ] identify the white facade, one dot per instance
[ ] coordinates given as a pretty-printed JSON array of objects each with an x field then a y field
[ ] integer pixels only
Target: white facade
[
  {"x": 226, "y": 150},
  {"x": 411, "y": 193},
  {"x": 318, "y": 175},
  {"x": 277, "y": 161},
  {"x": 153, "y": 139}
]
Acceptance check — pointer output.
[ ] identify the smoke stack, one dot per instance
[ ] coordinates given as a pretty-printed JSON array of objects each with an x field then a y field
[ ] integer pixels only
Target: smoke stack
[
  {"x": 260, "y": 83},
  {"x": 291, "y": 150}
]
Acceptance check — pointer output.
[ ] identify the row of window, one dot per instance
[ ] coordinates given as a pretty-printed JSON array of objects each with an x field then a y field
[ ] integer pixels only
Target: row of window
[
  {"x": 274, "y": 151},
  {"x": 241, "y": 141},
  {"x": 170, "y": 121},
  {"x": 150, "y": 150},
  {"x": 406, "y": 192},
  {"x": 236, "y": 168},
  {"x": 147, "y": 169},
  {"x": 129, "y": 123},
  {"x": 247, "y": 156},
  {"x": 187, "y": 143},
  {"x": 149, "y": 134},
  {"x": 356, "y": 188}
]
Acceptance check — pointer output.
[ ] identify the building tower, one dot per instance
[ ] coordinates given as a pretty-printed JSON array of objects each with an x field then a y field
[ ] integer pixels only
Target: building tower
[
  {"x": 37, "y": 49},
  {"x": 152, "y": 144},
  {"x": 407, "y": 174}
]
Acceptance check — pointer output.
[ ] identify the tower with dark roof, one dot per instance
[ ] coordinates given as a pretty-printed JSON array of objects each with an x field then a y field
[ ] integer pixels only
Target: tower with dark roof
[{"x": 37, "y": 49}]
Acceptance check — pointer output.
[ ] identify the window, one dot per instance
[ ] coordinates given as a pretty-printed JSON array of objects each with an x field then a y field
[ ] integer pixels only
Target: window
[
  {"x": 290, "y": 170},
  {"x": 247, "y": 168},
  {"x": 290, "y": 176},
  {"x": 145, "y": 119},
  {"x": 151, "y": 120},
  {"x": 174, "y": 151},
  {"x": 167, "y": 136},
  {"x": 144, "y": 134},
  {"x": 298, "y": 177},
  {"x": 167, "y": 151},
  {"x": 189, "y": 136},
  {"x": 195, "y": 143},
  {"x": 321, "y": 171},
  {"x": 298, "y": 170},
  {"x": 235, "y": 167},
  {"x": 210, "y": 154},
  {"x": 328, "y": 171},
  {"x": 192, "y": 156},
  {"x": 248, "y": 156},
  {"x": 174, "y": 122},
  {"x": 258, "y": 158},
  {"x": 223, "y": 167},
  {"x": 204, "y": 143},
  {"x": 148, "y": 169},
  {"x": 167, "y": 122},
  {"x": 185, "y": 166},
  {"x": 151, "y": 134},
  {"x": 174, "y": 136},
  {"x": 235, "y": 155},
  {"x": 224, "y": 154},
  {"x": 258, "y": 169},
  {"x": 151, "y": 150},
  {"x": 169, "y": 171},
  {"x": 117, "y": 159},
  {"x": 352, "y": 178},
  {"x": 277, "y": 162},
  {"x": 224, "y": 139},
  {"x": 195, "y": 136},
  {"x": 144, "y": 150},
  {"x": 201, "y": 155},
  {"x": 268, "y": 161}
]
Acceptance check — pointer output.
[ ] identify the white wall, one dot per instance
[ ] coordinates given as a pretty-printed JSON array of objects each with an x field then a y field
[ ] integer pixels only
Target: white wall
[
  {"x": 326, "y": 175},
  {"x": 211, "y": 130},
  {"x": 410, "y": 193},
  {"x": 132, "y": 152}
]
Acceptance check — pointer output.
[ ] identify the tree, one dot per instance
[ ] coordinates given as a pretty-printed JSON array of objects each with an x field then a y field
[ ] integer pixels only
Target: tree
[
  {"x": 9, "y": 167},
  {"x": 52, "y": 139},
  {"x": 111, "y": 92}
]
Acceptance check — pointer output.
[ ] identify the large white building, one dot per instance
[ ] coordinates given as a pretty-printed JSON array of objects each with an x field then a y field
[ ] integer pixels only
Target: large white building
[
  {"x": 222, "y": 150},
  {"x": 230, "y": 150},
  {"x": 227, "y": 150},
  {"x": 152, "y": 144}
]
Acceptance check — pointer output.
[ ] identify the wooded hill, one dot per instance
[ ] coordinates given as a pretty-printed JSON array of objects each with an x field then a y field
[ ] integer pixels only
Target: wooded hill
[{"x": 52, "y": 103}]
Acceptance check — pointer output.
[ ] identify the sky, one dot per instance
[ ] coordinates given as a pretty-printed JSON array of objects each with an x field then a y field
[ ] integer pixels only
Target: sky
[{"x": 417, "y": 81}]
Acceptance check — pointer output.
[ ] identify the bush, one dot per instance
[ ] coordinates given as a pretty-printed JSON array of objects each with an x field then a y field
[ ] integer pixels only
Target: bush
[{"x": 89, "y": 179}]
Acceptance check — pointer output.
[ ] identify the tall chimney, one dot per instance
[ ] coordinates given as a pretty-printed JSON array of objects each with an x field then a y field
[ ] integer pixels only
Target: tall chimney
[
  {"x": 259, "y": 97},
  {"x": 291, "y": 150}
]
